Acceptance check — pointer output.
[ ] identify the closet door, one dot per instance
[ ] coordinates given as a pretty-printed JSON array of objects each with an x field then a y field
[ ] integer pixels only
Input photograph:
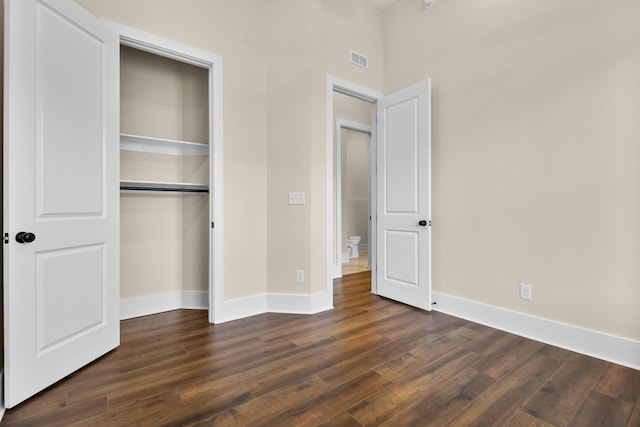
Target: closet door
[{"x": 61, "y": 254}]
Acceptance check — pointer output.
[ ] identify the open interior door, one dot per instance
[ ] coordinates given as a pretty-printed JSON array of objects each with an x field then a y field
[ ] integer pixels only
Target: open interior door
[
  {"x": 403, "y": 270},
  {"x": 61, "y": 193}
]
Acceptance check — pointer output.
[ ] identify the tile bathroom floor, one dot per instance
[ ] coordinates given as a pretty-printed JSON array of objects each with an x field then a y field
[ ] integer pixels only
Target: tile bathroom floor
[{"x": 356, "y": 265}]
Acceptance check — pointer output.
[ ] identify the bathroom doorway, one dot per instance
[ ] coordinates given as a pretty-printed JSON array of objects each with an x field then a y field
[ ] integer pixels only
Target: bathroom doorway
[
  {"x": 352, "y": 183},
  {"x": 405, "y": 116}
]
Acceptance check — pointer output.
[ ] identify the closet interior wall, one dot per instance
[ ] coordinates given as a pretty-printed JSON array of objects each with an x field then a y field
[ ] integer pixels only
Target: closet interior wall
[{"x": 164, "y": 235}]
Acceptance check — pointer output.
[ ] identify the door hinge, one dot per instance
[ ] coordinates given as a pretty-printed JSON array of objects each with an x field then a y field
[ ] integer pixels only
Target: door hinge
[
  {"x": 429, "y": 223},
  {"x": 6, "y": 238},
  {"x": 211, "y": 224}
]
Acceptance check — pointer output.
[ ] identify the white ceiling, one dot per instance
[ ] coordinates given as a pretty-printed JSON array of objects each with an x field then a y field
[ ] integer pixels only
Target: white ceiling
[{"x": 383, "y": 4}]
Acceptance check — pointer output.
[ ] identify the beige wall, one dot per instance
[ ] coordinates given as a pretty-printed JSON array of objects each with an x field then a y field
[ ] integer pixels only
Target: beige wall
[
  {"x": 164, "y": 237},
  {"x": 234, "y": 30},
  {"x": 341, "y": 25},
  {"x": 162, "y": 97},
  {"x": 308, "y": 40},
  {"x": 352, "y": 109},
  {"x": 535, "y": 139},
  {"x": 535, "y": 151},
  {"x": 277, "y": 56}
]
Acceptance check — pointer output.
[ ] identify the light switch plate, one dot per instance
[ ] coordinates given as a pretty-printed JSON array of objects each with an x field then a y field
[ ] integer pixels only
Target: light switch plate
[{"x": 296, "y": 198}]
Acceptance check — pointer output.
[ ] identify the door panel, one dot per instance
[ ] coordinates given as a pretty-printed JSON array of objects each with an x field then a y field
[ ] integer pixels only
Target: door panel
[
  {"x": 63, "y": 138},
  {"x": 61, "y": 290},
  {"x": 401, "y": 158},
  {"x": 400, "y": 261},
  {"x": 403, "y": 179},
  {"x": 62, "y": 278}
]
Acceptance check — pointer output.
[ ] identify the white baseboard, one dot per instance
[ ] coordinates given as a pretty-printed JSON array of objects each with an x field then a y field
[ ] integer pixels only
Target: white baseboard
[
  {"x": 336, "y": 272},
  {"x": 592, "y": 343},
  {"x": 152, "y": 304},
  {"x": 195, "y": 300},
  {"x": 298, "y": 304},
  {"x": 228, "y": 310},
  {"x": 363, "y": 247},
  {"x": 273, "y": 303},
  {"x": 240, "y": 308}
]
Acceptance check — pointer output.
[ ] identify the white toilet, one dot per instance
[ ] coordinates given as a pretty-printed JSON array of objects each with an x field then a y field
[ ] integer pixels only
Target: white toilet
[{"x": 352, "y": 244}]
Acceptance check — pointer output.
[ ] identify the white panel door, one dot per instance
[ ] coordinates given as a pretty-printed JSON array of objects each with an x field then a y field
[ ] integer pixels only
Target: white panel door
[
  {"x": 404, "y": 209},
  {"x": 61, "y": 194}
]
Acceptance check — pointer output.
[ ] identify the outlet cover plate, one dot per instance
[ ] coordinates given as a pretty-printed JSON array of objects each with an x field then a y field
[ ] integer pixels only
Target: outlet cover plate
[{"x": 526, "y": 291}]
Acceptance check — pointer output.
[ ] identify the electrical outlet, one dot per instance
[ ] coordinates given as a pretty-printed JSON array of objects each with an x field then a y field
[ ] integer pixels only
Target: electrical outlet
[
  {"x": 526, "y": 291},
  {"x": 300, "y": 276}
]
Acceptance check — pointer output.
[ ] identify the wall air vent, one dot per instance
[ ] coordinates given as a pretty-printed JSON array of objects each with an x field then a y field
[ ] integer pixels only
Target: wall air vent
[{"x": 359, "y": 59}]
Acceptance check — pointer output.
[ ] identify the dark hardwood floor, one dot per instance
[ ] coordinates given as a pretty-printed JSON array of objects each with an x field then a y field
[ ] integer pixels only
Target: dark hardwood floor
[{"x": 368, "y": 362}]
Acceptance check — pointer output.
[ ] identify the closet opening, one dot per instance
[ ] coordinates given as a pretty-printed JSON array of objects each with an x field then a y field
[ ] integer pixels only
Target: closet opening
[
  {"x": 170, "y": 176},
  {"x": 164, "y": 180}
]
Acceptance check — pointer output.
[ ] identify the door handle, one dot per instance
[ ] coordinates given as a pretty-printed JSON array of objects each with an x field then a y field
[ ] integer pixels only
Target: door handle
[
  {"x": 422, "y": 223},
  {"x": 25, "y": 237}
]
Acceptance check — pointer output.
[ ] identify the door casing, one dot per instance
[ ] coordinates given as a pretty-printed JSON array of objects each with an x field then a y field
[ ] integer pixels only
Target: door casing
[
  {"x": 336, "y": 84},
  {"x": 157, "y": 45}
]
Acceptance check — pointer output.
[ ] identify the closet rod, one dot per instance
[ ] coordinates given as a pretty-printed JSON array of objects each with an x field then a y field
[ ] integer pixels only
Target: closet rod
[{"x": 165, "y": 190}]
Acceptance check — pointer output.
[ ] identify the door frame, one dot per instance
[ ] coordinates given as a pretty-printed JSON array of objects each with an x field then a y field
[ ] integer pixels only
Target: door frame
[
  {"x": 356, "y": 127},
  {"x": 161, "y": 46},
  {"x": 336, "y": 84}
]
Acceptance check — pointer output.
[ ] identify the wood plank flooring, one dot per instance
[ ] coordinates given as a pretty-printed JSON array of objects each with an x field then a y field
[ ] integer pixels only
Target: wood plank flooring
[{"x": 368, "y": 362}]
